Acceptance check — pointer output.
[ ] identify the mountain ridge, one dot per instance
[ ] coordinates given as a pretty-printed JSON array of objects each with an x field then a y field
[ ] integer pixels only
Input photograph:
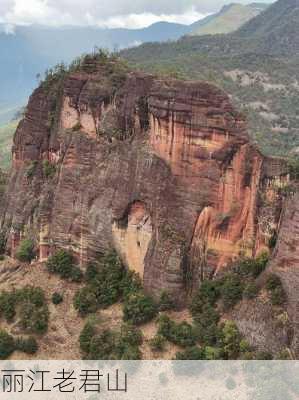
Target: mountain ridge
[{"x": 228, "y": 19}]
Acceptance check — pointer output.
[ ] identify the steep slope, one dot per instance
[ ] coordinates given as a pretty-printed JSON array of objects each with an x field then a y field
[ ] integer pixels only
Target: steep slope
[
  {"x": 163, "y": 170},
  {"x": 229, "y": 19},
  {"x": 6, "y": 135},
  {"x": 260, "y": 72},
  {"x": 275, "y": 31}
]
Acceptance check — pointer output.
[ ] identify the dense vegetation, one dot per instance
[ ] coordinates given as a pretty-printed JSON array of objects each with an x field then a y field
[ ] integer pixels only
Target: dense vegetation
[
  {"x": 207, "y": 338},
  {"x": 107, "y": 282},
  {"x": 28, "y": 308},
  {"x": 27, "y": 305},
  {"x": 26, "y": 251},
  {"x": 99, "y": 344},
  {"x": 63, "y": 264},
  {"x": 9, "y": 344}
]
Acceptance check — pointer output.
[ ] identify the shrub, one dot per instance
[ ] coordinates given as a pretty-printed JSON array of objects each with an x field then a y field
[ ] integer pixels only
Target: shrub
[
  {"x": 9, "y": 300},
  {"x": 283, "y": 355},
  {"x": 128, "y": 343},
  {"x": 49, "y": 169},
  {"x": 277, "y": 293},
  {"x": 206, "y": 297},
  {"x": 251, "y": 290},
  {"x": 182, "y": 334},
  {"x": 107, "y": 282},
  {"x": 263, "y": 355},
  {"x": 7, "y": 305},
  {"x": 139, "y": 309},
  {"x": 77, "y": 127},
  {"x": 63, "y": 264},
  {"x": 25, "y": 252},
  {"x": 130, "y": 284},
  {"x": 30, "y": 294},
  {"x": 207, "y": 325},
  {"x": 57, "y": 298},
  {"x": 208, "y": 316},
  {"x": 130, "y": 335},
  {"x": 244, "y": 346},
  {"x": 34, "y": 320},
  {"x": 157, "y": 343},
  {"x": 273, "y": 240},
  {"x": 212, "y": 353},
  {"x": 103, "y": 346},
  {"x": 278, "y": 296},
  {"x": 273, "y": 282},
  {"x": 7, "y": 344},
  {"x": 191, "y": 353},
  {"x": 85, "y": 301},
  {"x": 210, "y": 291},
  {"x": 197, "y": 304},
  {"x": 231, "y": 290},
  {"x": 250, "y": 267},
  {"x": 2, "y": 242},
  {"x": 131, "y": 353},
  {"x": 110, "y": 345},
  {"x": 28, "y": 346},
  {"x": 91, "y": 272},
  {"x": 86, "y": 336},
  {"x": 231, "y": 340},
  {"x": 293, "y": 167},
  {"x": 76, "y": 274},
  {"x": 33, "y": 310},
  {"x": 31, "y": 169},
  {"x": 166, "y": 303}
]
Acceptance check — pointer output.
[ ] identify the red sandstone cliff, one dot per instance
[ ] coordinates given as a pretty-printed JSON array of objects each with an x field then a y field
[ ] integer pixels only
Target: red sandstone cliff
[{"x": 162, "y": 170}]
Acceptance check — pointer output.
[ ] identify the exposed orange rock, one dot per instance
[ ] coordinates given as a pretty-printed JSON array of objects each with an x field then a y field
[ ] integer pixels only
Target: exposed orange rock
[{"x": 172, "y": 159}]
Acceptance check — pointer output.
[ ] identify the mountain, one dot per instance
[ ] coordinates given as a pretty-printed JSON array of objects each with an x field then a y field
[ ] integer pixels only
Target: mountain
[
  {"x": 275, "y": 31},
  {"x": 163, "y": 173},
  {"x": 229, "y": 19},
  {"x": 258, "y": 65}
]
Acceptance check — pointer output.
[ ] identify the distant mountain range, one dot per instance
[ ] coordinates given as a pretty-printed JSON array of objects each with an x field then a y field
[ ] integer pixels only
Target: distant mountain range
[{"x": 32, "y": 49}]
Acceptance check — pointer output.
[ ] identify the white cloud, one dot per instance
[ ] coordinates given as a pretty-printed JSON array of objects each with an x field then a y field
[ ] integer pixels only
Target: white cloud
[
  {"x": 146, "y": 19},
  {"x": 24, "y": 12},
  {"x": 107, "y": 13}
]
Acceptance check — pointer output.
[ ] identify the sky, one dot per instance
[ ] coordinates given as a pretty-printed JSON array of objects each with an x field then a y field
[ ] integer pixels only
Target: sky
[{"x": 106, "y": 13}]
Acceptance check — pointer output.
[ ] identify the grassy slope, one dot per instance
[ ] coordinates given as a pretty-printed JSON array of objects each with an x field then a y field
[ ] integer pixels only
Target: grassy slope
[
  {"x": 232, "y": 19},
  {"x": 275, "y": 83},
  {"x": 6, "y": 137}
]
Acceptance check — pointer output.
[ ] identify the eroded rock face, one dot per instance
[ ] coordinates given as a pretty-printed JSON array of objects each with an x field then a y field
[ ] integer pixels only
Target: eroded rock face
[
  {"x": 162, "y": 170},
  {"x": 285, "y": 263},
  {"x": 132, "y": 236}
]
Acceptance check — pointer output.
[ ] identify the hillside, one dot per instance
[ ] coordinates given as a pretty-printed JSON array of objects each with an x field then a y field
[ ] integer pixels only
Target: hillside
[
  {"x": 276, "y": 31},
  {"x": 6, "y": 137},
  {"x": 259, "y": 81},
  {"x": 229, "y": 19},
  {"x": 127, "y": 191}
]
